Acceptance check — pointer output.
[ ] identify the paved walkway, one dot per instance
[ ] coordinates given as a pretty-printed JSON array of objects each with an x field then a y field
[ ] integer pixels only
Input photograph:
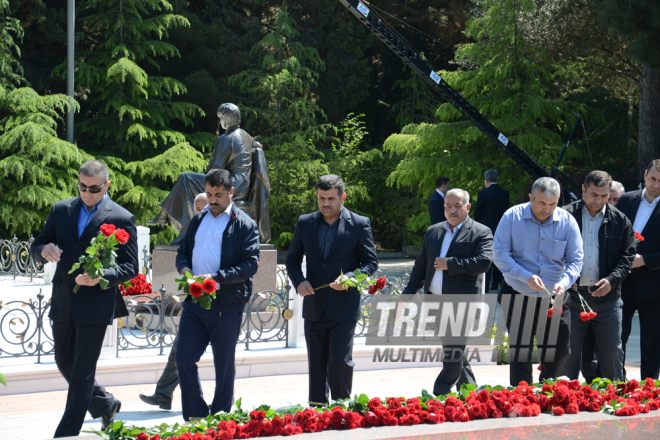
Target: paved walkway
[{"x": 35, "y": 416}]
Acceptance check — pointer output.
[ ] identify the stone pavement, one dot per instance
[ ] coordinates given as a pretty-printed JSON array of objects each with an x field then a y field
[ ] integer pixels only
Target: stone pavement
[{"x": 36, "y": 415}]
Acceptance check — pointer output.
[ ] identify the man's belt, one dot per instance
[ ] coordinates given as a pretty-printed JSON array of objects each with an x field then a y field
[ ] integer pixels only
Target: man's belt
[{"x": 588, "y": 289}]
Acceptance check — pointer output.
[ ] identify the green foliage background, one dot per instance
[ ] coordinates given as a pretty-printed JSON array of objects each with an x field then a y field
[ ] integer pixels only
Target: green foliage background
[{"x": 317, "y": 90}]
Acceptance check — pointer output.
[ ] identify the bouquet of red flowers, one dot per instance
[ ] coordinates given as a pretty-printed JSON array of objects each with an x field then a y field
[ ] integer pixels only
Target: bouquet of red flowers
[
  {"x": 101, "y": 254},
  {"x": 639, "y": 237},
  {"x": 584, "y": 315},
  {"x": 202, "y": 291},
  {"x": 136, "y": 286}
]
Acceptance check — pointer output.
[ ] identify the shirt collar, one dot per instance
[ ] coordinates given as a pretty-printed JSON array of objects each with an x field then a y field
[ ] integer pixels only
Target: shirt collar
[
  {"x": 441, "y": 193},
  {"x": 227, "y": 211},
  {"x": 528, "y": 214},
  {"x": 653, "y": 204},
  {"x": 98, "y": 205},
  {"x": 491, "y": 183},
  {"x": 585, "y": 210},
  {"x": 456, "y": 229}
]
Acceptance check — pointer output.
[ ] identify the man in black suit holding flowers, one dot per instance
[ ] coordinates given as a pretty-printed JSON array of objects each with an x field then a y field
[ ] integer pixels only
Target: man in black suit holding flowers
[{"x": 80, "y": 319}]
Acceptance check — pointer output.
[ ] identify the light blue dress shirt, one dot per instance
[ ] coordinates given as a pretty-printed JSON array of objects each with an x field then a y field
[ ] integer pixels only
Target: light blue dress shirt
[
  {"x": 86, "y": 215},
  {"x": 207, "y": 252},
  {"x": 524, "y": 247}
]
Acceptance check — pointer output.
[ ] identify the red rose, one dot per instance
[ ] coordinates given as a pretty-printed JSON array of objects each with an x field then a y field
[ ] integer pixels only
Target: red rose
[
  {"x": 196, "y": 289},
  {"x": 107, "y": 229},
  {"x": 372, "y": 418},
  {"x": 297, "y": 430},
  {"x": 638, "y": 237},
  {"x": 380, "y": 283},
  {"x": 484, "y": 396},
  {"x": 558, "y": 411},
  {"x": 122, "y": 236},
  {"x": 288, "y": 430},
  {"x": 594, "y": 407},
  {"x": 142, "y": 435},
  {"x": 372, "y": 289},
  {"x": 625, "y": 411},
  {"x": 374, "y": 403},
  {"x": 154, "y": 437},
  {"x": 209, "y": 286},
  {"x": 572, "y": 408}
]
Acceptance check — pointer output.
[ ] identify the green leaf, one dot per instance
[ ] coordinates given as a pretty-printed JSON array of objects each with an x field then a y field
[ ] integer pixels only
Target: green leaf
[
  {"x": 363, "y": 399},
  {"x": 188, "y": 275},
  {"x": 104, "y": 283},
  {"x": 91, "y": 250},
  {"x": 75, "y": 267},
  {"x": 3, "y": 380}
]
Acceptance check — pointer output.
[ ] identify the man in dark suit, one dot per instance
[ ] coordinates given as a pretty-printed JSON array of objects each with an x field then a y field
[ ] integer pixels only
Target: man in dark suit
[
  {"x": 80, "y": 320},
  {"x": 221, "y": 243},
  {"x": 436, "y": 202},
  {"x": 640, "y": 289},
  {"x": 492, "y": 203},
  {"x": 335, "y": 241},
  {"x": 454, "y": 256}
]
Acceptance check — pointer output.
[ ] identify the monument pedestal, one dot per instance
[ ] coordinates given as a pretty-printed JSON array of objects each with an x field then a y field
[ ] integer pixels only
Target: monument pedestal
[{"x": 163, "y": 268}]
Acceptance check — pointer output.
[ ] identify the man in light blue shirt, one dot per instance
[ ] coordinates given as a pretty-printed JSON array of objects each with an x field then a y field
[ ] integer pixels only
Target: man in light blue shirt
[{"x": 538, "y": 247}]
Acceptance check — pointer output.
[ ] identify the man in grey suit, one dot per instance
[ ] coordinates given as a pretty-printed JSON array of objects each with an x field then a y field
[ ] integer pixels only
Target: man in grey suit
[{"x": 454, "y": 256}]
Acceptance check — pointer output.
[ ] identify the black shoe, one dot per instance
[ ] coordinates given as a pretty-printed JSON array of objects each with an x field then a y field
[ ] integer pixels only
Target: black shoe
[
  {"x": 108, "y": 418},
  {"x": 157, "y": 399}
]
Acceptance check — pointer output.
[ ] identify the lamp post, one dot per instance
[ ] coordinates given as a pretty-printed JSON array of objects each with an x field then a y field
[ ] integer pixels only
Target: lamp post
[{"x": 70, "y": 50}]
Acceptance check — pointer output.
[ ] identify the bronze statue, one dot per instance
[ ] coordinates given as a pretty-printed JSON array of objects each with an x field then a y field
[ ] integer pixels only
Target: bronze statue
[{"x": 236, "y": 152}]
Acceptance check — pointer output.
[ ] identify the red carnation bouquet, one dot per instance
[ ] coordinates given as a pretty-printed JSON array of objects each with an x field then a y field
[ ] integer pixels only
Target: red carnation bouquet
[
  {"x": 584, "y": 315},
  {"x": 101, "y": 254},
  {"x": 136, "y": 286},
  {"x": 361, "y": 281},
  {"x": 639, "y": 237},
  {"x": 202, "y": 291}
]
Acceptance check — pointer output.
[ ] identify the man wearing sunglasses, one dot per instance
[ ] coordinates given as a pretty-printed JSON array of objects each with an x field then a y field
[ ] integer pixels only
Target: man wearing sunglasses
[{"x": 80, "y": 320}]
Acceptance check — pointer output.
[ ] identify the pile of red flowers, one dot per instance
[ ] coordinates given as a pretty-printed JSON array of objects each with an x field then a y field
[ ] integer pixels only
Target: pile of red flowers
[
  {"x": 558, "y": 398},
  {"x": 136, "y": 286}
]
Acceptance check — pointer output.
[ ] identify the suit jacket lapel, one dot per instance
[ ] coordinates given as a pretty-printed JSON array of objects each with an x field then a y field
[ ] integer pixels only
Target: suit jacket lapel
[
  {"x": 74, "y": 214},
  {"x": 314, "y": 233},
  {"x": 97, "y": 220},
  {"x": 341, "y": 230},
  {"x": 652, "y": 219},
  {"x": 461, "y": 234},
  {"x": 634, "y": 206},
  {"x": 437, "y": 247}
]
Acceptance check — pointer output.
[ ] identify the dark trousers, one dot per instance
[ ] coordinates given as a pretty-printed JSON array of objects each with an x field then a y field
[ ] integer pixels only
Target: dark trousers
[
  {"x": 554, "y": 351},
  {"x": 590, "y": 368},
  {"x": 607, "y": 328},
  {"x": 494, "y": 278},
  {"x": 330, "y": 358},
  {"x": 197, "y": 328},
  {"x": 169, "y": 380},
  {"x": 649, "y": 329},
  {"x": 455, "y": 372},
  {"x": 77, "y": 349}
]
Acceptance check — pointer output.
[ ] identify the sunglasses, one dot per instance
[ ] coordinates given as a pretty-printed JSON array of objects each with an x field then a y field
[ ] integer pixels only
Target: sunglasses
[{"x": 93, "y": 189}]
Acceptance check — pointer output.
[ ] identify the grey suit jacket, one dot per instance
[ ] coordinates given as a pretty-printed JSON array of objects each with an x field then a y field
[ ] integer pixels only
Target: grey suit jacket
[{"x": 469, "y": 256}]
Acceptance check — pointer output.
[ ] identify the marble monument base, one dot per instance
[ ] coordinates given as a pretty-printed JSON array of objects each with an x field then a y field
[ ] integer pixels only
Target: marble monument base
[{"x": 163, "y": 269}]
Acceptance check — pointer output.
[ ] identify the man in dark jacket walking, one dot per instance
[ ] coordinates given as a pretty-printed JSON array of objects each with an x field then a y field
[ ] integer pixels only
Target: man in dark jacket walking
[
  {"x": 609, "y": 249},
  {"x": 221, "y": 243}
]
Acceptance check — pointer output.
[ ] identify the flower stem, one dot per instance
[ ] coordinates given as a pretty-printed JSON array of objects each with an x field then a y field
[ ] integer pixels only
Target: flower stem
[{"x": 321, "y": 287}]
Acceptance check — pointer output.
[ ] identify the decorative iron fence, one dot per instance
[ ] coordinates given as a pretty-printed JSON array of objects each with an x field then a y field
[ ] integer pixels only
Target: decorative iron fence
[
  {"x": 15, "y": 259},
  {"x": 25, "y": 329}
]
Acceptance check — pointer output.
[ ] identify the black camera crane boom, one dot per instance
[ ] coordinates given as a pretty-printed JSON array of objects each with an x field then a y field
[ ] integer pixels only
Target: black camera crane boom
[{"x": 407, "y": 54}]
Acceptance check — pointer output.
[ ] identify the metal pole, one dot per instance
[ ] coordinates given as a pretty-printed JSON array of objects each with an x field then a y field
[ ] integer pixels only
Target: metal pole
[{"x": 70, "y": 50}]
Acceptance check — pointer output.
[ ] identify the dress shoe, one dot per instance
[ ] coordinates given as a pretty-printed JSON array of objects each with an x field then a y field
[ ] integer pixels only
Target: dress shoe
[
  {"x": 108, "y": 418},
  {"x": 157, "y": 399}
]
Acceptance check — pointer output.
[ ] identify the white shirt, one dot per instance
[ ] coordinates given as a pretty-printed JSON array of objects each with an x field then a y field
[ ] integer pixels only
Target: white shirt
[
  {"x": 441, "y": 193},
  {"x": 590, "y": 264},
  {"x": 436, "y": 282},
  {"x": 644, "y": 213},
  {"x": 207, "y": 251}
]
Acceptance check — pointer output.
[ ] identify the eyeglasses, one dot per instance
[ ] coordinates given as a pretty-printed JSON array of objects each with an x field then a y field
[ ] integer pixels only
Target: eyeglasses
[{"x": 95, "y": 189}]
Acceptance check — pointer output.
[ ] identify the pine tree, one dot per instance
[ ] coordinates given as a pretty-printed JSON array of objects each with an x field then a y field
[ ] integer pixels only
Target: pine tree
[
  {"x": 278, "y": 104},
  {"x": 510, "y": 81},
  {"x": 36, "y": 168}
]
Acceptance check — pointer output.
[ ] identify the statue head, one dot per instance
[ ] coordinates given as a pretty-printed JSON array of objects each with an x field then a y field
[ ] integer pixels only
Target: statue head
[{"x": 230, "y": 115}]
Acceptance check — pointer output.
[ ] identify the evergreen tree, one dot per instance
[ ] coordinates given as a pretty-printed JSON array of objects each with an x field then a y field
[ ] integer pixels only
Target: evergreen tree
[
  {"x": 36, "y": 168},
  {"x": 511, "y": 82},
  {"x": 279, "y": 105}
]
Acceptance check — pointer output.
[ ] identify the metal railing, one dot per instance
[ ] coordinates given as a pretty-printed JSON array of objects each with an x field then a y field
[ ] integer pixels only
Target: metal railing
[
  {"x": 25, "y": 329},
  {"x": 15, "y": 259}
]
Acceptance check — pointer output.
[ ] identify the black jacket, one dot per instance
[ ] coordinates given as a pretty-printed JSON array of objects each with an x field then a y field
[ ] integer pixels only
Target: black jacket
[
  {"x": 436, "y": 205},
  {"x": 91, "y": 305},
  {"x": 239, "y": 259},
  {"x": 470, "y": 254},
  {"x": 353, "y": 249},
  {"x": 616, "y": 251},
  {"x": 492, "y": 203},
  {"x": 645, "y": 279}
]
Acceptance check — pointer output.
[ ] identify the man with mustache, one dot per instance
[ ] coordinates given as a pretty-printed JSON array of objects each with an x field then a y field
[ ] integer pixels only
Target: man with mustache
[
  {"x": 335, "y": 241},
  {"x": 454, "y": 257},
  {"x": 538, "y": 247}
]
